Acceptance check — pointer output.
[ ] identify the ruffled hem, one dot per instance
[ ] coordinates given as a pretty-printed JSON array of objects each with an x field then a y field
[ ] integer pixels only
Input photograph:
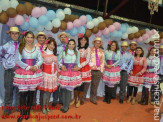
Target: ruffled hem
[
  {"x": 112, "y": 80},
  {"x": 47, "y": 89},
  {"x": 135, "y": 81},
  {"x": 86, "y": 74},
  {"x": 113, "y": 69}
]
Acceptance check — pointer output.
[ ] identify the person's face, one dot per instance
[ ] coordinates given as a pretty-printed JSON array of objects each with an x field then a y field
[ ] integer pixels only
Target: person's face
[
  {"x": 161, "y": 51},
  {"x": 124, "y": 48},
  {"x": 83, "y": 41},
  {"x": 139, "y": 52},
  {"x": 113, "y": 47},
  {"x": 14, "y": 35},
  {"x": 62, "y": 39},
  {"x": 133, "y": 46},
  {"x": 97, "y": 44},
  {"x": 29, "y": 39},
  {"x": 51, "y": 46},
  {"x": 41, "y": 39},
  {"x": 71, "y": 45},
  {"x": 153, "y": 52}
]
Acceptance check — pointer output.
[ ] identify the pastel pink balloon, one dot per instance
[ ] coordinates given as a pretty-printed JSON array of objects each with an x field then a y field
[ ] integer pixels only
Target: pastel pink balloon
[
  {"x": 105, "y": 31},
  {"x": 69, "y": 25},
  {"x": 19, "y": 20},
  {"x": 140, "y": 39},
  {"x": 111, "y": 28},
  {"x": 153, "y": 31},
  {"x": 150, "y": 33},
  {"x": 43, "y": 10},
  {"x": 117, "y": 25},
  {"x": 77, "y": 23},
  {"x": 145, "y": 36},
  {"x": 161, "y": 41},
  {"x": 11, "y": 22},
  {"x": 36, "y": 12},
  {"x": 83, "y": 19},
  {"x": 98, "y": 34}
]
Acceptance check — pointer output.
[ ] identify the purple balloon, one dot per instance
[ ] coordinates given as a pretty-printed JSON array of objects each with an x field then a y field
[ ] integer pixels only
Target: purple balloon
[
  {"x": 105, "y": 31},
  {"x": 140, "y": 39},
  {"x": 11, "y": 22},
  {"x": 69, "y": 25},
  {"x": 145, "y": 36},
  {"x": 98, "y": 34},
  {"x": 150, "y": 33}
]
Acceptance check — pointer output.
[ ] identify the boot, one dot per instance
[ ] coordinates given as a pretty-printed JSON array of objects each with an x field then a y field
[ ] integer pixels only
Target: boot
[
  {"x": 29, "y": 103},
  {"x": 109, "y": 90},
  {"x": 129, "y": 99},
  {"x": 75, "y": 97},
  {"x": 106, "y": 95},
  {"x": 133, "y": 101},
  {"x": 22, "y": 103},
  {"x": 79, "y": 99},
  {"x": 146, "y": 97},
  {"x": 143, "y": 96}
]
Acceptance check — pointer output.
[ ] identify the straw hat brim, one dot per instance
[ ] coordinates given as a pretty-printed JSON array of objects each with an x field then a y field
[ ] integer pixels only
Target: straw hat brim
[
  {"x": 97, "y": 40},
  {"x": 41, "y": 35},
  {"x": 63, "y": 33}
]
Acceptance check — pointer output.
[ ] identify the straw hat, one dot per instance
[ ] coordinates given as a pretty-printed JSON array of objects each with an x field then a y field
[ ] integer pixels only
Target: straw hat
[
  {"x": 97, "y": 39},
  {"x": 161, "y": 46},
  {"x": 13, "y": 29},
  {"x": 124, "y": 43},
  {"x": 42, "y": 34},
  {"x": 133, "y": 42},
  {"x": 63, "y": 33}
]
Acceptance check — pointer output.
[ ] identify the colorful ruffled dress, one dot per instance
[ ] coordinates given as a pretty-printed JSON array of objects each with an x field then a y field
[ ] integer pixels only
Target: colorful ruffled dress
[
  {"x": 111, "y": 76},
  {"x": 50, "y": 71},
  {"x": 84, "y": 62},
  {"x": 70, "y": 79},
  {"x": 150, "y": 76},
  {"x": 25, "y": 79},
  {"x": 140, "y": 66}
]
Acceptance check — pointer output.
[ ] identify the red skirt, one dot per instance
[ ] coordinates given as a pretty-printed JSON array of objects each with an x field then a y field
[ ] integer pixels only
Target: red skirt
[{"x": 85, "y": 71}]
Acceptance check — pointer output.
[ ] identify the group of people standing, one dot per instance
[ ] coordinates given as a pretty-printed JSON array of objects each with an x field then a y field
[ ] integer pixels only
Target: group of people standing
[{"x": 68, "y": 67}]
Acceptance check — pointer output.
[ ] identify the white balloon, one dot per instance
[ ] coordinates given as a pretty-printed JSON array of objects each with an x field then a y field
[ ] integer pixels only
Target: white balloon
[
  {"x": 125, "y": 36},
  {"x": 5, "y": 4},
  {"x": 95, "y": 21},
  {"x": 134, "y": 29},
  {"x": 40, "y": 28},
  {"x": 56, "y": 22},
  {"x": 100, "y": 19},
  {"x": 90, "y": 25},
  {"x": 60, "y": 15},
  {"x": 129, "y": 30},
  {"x": 67, "y": 11},
  {"x": 14, "y": 3},
  {"x": 49, "y": 26}
]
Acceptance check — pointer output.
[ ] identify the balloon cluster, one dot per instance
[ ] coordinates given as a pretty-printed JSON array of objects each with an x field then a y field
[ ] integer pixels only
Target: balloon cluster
[{"x": 30, "y": 17}]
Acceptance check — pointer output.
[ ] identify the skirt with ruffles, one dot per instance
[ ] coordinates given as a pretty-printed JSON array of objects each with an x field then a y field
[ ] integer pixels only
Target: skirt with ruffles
[
  {"x": 27, "y": 80},
  {"x": 111, "y": 76},
  {"x": 85, "y": 72}
]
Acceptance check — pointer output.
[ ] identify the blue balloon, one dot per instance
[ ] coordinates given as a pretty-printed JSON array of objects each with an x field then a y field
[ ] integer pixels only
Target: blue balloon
[
  {"x": 147, "y": 29},
  {"x": 106, "y": 36},
  {"x": 81, "y": 29},
  {"x": 123, "y": 28},
  {"x": 33, "y": 22},
  {"x": 43, "y": 20},
  {"x": 89, "y": 18},
  {"x": 67, "y": 31},
  {"x": 73, "y": 31},
  {"x": 51, "y": 15},
  {"x": 25, "y": 26}
]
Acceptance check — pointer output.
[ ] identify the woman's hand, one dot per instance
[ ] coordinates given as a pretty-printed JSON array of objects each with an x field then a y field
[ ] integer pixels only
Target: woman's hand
[
  {"x": 76, "y": 68},
  {"x": 109, "y": 66},
  {"x": 63, "y": 68},
  {"x": 131, "y": 73}
]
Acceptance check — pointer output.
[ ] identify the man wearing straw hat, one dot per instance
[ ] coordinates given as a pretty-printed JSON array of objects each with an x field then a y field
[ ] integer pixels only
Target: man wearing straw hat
[
  {"x": 7, "y": 56},
  {"x": 97, "y": 67},
  {"x": 63, "y": 37},
  {"x": 133, "y": 46},
  {"x": 41, "y": 38},
  {"x": 126, "y": 65}
]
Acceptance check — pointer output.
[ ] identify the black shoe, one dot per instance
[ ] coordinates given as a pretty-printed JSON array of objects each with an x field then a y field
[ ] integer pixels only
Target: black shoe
[
  {"x": 140, "y": 102},
  {"x": 121, "y": 101},
  {"x": 64, "y": 111},
  {"x": 109, "y": 101},
  {"x": 20, "y": 119},
  {"x": 94, "y": 102},
  {"x": 27, "y": 114},
  {"x": 54, "y": 104},
  {"x": 113, "y": 97},
  {"x": 144, "y": 103},
  {"x": 61, "y": 103},
  {"x": 104, "y": 100}
]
